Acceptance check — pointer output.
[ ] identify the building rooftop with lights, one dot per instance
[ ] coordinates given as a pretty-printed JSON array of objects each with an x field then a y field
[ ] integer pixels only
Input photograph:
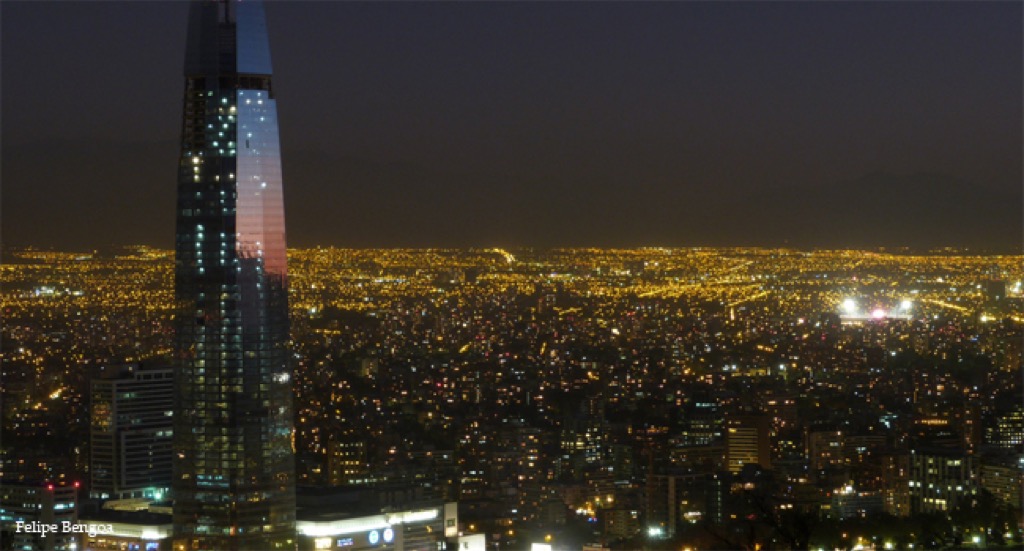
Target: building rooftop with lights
[{"x": 339, "y": 528}]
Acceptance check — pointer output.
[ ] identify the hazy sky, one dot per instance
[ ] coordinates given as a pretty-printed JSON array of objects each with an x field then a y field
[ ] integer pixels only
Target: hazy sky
[{"x": 547, "y": 124}]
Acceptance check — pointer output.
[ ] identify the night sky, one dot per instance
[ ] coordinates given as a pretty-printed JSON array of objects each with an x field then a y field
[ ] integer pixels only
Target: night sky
[{"x": 542, "y": 124}]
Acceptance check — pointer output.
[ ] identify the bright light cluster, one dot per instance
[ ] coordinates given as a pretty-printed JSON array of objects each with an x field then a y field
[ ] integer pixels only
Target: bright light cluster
[{"x": 851, "y": 310}]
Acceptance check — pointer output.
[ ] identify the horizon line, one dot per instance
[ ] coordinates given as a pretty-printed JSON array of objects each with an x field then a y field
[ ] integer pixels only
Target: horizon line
[{"x": 904, "y": 249}]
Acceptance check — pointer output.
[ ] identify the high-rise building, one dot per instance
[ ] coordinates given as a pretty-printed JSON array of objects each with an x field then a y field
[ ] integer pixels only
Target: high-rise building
[
  {"x": 27, "y": 504},
  {"x": 1007, "y": 430},
  {"x": 130, "y": 432},
  {"x": 825, "y": 449},
  {"x": 234, "y": 474},
  {"x": 1003, "y": 476},
  {"x": 940, "y": 479},
  {"x": 747, "y": 440},
  {"x": 995, "y": 290},
  {"x": 673, "y": 499},
  {"x": 347, "y": 461}
]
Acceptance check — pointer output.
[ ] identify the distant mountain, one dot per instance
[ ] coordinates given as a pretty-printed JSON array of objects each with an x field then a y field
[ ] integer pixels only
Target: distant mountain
[
  {"x": 83, "y": 196},
  {"x": 882, "y": 209}
]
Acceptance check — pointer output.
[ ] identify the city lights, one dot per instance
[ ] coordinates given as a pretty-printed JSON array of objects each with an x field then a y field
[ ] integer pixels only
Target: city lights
[{"x": 408, "y": 349}]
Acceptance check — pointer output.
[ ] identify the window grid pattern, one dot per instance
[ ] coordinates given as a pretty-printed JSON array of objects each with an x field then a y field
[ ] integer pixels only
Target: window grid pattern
[{"x": 234, "y": 467}]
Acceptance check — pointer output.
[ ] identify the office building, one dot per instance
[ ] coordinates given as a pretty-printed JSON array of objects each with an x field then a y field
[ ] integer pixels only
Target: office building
[
  {"x": 43, "y": 503},
  {"x": 1007, "y": 430},
  {"x": 825, "y": 449},
  {"x": 130, "y": 424},
  {"x": 747, "y": 440},
  {"x": 234, "y": 471},
  {"x": 995, "y": 290},
  {"x": 1003, "y": 477},
  {"x": 941, "y": 479}
]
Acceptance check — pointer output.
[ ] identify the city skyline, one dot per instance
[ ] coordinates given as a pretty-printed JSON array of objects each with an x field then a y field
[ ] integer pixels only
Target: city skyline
[
  {"x": 688, "y": 124},
  {"x": 564, "y": 277},
  {"x": 577, "y": 395}
]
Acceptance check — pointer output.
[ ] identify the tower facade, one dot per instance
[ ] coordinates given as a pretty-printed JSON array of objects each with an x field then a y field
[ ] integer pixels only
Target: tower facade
[{"x": 234, "y": 473}]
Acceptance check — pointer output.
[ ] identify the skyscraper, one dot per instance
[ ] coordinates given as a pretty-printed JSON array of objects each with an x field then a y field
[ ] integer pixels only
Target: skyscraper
[{"x": 234, "y": 475}]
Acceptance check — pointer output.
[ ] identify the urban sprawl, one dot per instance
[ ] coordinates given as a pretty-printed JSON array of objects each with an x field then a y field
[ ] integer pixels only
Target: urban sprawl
[{"x": 699, "y": 398}]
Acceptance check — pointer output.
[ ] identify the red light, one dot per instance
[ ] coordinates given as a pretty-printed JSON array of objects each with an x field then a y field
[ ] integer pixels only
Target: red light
[
  {"x": 76, "y": 484},
  {"x": 49, "y": 487}
]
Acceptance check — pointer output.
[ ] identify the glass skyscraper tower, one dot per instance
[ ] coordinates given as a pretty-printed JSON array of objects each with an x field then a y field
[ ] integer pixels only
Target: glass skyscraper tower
[{"x": 234, "y": 474}]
